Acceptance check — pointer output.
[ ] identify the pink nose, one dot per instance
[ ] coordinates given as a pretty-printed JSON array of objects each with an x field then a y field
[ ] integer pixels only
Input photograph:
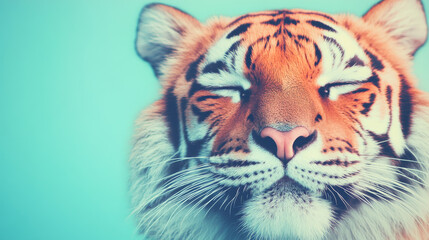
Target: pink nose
[{"x": 285, "y": 140}]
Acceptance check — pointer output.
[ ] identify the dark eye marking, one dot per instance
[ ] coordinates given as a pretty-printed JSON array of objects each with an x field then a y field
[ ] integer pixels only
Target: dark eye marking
[
  {"x": 324, "y": 92},
  {"x": 245, "y": 95},
  {"x": 321, "y": 25}
]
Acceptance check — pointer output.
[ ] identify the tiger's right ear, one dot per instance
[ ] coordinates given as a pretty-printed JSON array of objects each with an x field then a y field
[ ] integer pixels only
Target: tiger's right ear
[{"x": 160, "y": 31}]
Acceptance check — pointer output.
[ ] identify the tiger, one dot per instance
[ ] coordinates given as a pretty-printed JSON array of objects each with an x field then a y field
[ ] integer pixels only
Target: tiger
[{"x": 283, "y": 124}]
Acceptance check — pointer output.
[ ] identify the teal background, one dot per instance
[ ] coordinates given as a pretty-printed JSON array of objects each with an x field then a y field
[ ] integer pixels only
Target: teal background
[{"x": 71, "y": 86}]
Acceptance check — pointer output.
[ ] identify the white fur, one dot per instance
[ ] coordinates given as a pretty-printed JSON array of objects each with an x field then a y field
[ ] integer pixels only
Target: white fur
[{"x": 286, "y": 217}]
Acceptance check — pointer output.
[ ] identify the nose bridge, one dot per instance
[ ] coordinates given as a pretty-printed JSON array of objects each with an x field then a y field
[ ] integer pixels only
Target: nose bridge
[{"x": 286, "y": 106}]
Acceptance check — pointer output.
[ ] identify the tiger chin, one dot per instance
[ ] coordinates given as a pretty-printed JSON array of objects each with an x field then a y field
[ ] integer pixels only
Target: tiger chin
[{"x": 283, "y": 124}]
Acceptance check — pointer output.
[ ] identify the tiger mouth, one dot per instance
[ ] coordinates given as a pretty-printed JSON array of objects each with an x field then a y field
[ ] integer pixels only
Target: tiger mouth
[{"x": 287, "y": 184}]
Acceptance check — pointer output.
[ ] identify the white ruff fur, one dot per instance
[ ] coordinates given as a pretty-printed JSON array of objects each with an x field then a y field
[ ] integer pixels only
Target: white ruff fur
[{"x": 163, "y": 218}]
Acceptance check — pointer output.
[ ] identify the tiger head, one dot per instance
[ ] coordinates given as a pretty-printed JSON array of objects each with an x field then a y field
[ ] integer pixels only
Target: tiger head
[{"x": 283, "y": 124}]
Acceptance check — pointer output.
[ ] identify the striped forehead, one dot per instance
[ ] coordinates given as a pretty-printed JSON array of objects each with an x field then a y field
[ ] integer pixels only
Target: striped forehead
[
  {"x": 343, "y": 59},
  {"x": 340, "y": 55}
]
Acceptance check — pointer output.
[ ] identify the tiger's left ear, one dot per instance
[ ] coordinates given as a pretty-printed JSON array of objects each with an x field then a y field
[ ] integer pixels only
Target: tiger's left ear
[
  {"x": 404, "y": 20},
  {"x": 160, "y": 31}
]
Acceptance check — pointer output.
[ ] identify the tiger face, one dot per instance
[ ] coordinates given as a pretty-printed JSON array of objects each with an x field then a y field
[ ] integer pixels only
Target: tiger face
[{"x": 282, "y": 124}]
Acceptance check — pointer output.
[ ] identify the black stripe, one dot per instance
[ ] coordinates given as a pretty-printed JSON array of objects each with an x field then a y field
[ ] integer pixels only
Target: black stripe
[
  {"x": 406, "y": 106},
  {"x": 288, "y": 21},
  {"x": 273, "y": 22},
  {"x": 239, "y": 30},
  {"x": 341, "y": 198},
  {"x": 321, "y": 25},
  {"x": 195, "y": 87},
  {"x": 374, "y": 79},
  {"x": 278, "y": 32},
  {"x": 215, "y": 67},
  {"x": 355, "y": 61},
  {"x": 191, "y": 74},
  {"x": 287, "y": 32},
  {"x": 249, "y": 56},
  {"x": 389, "y": 102},
  {"x": 172, "y": 117},
  {"x": 404, "y": 173},
  {"x": 262, "y": 39},
  {"x": 337, "y": 84},
  {"x": 297, "y": 43},
  {"x": 383, "y": 141},
  {"x": 277, "y": 13},
  {"x": 318, "y": 54},
  {"x": 360, "y": 134},
  {"x": 334, "y": 42},
  {"x": 233, "y": 47},
  {"x": 302, "y": 37},
  {"x": 200, "y": 114},
  {"x": 192, "y": 148},
  {"x": 235, "y": 163},
  {"x": 285, "y": 20},
  {"x": 375, "y": 62},
  {"x": 318, "y": 118},
  {"x": 203, "y": 98},
  {"x": 367, "y": 106},
  {"x": 360, "y": 90}
]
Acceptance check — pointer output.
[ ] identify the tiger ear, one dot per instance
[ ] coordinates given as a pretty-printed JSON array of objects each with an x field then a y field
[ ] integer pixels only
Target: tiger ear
[
  {"x": 160, "y": 31},
  {"x": 404, "y": 20}
]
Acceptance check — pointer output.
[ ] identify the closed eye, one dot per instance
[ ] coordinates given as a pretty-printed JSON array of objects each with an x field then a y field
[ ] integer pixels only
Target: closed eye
[
  {"x": 333, "y": 90},
  {"x": 237, "y": 94}
]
